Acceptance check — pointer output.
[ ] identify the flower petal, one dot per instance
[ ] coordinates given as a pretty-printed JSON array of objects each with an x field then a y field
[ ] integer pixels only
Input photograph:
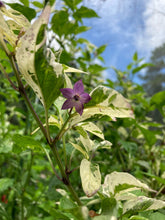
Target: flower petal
[
  {"x": 69, "y": 103},
  {"x": 85, "y": 98},
  {"x": 79, "y": 107},
  {"x": 78, "y": 87},
  {"x": 67, "y": 93}
]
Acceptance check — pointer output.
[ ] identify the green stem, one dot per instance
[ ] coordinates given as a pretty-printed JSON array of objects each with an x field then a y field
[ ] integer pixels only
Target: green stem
[
  {"x": 65, "y": 178},
  {"x": 47, "y": 126},
  {"x": 62, "y": 130},
  {"x": 24, "y": 95},
  {"x": 64, "y": 150},
  {"x": 12, "y": 84},
  {"x": 51, "y": 163}
]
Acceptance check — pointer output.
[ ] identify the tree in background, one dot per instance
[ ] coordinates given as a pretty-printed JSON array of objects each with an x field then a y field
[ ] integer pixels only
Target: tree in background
[{"x": 154, "y": 79}]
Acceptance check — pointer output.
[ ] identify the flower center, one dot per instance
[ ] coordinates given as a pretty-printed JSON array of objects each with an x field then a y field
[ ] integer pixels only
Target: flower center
[{"x": 76, "y": 97}]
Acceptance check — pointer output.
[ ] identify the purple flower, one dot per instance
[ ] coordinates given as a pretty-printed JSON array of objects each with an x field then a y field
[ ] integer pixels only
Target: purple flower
[
  {"x": 76, "y": 97},
  {"x": 1, "y": 4}
]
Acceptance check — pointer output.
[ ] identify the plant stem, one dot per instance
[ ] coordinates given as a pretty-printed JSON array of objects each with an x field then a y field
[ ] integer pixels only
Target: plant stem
[
  {"x": 65, "y": 178},
  {"x": 47, "y": 126},
  {"x": 64, "y": 150},
  {"x": 24, "y": 95},
  {"x": 12, "y": 84},
  {"x": 63, "y": 130},
  {"x": 51, "y": 163}
]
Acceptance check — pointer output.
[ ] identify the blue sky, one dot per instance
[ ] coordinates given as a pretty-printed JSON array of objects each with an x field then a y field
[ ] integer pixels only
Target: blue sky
[{"x": 126, "y": 26}]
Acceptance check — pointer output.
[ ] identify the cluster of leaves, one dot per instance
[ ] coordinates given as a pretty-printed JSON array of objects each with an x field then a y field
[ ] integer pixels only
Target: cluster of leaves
[{"x": 113, "y": 133}]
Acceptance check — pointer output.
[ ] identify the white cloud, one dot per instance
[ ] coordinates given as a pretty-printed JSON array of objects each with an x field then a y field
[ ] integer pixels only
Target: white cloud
[{"x": 153, "y": 34}]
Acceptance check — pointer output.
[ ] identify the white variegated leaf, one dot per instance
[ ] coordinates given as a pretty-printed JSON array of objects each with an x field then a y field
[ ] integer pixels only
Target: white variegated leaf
[{"x": 90, "y": 177}]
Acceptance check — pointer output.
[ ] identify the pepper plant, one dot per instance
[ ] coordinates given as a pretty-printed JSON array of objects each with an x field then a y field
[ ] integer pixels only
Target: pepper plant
[{"x": 71, "y": 135}]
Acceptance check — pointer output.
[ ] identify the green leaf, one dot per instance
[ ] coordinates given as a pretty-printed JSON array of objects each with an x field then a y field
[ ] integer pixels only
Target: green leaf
[
  {"x": 72, "y": 4},
  {"x": 57, "y": 214},
  {"x": 53, "y": 120},
  {"x": 38, "y": 4},
  {"x": 81, "y": 29},
  {"x": 84, "y": 12},
  {"x": 118, "y": 181},
  {"x": 6, "y": 32},
  {"x": 5, "y": 146},
  {"x": 137, "y": 69},
  {"x": 68, "y": 69},
  {"x": 101, "y": 49},
  {"x": 159, "y": 179},
  {"x": 29, "y": 13},
  {"x": 66, "y": 204},
  {"x": 149, "y": 135},
  {"x": 60, "y": 22},
  {"x": 5, "y": 183},
  {"x": 135, "y": 57},
  {"x": 79, "y": 148},
  {"x": 157, "y": 216},
  {"x": 90, "y": 177},
  {"x": 128, "y": 146},
  {"x": 158, "y": 100},
  {"x": 22, "y": 143},
  {"x": 142, "y": 203},
  {"x": 109, "y": 207},
  {"x": 102, "y": 145},
  {"x": 94, "y": 68},
  {"x": 49, "y": 77},
  {"x": 104, "y": 102},
  {"x": 25, "y": 2},
  {"x": 87, "y": 142},
  {"x": 137, "y": 217},
  {"x": 92, "y": 128}
]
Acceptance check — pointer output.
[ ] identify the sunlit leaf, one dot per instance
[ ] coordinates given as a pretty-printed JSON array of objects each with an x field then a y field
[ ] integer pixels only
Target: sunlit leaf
[
  {"x": 137, "y": 69},
  {"x": 25, "y": 2},
  {"x": 158, "y": 100},
  {"x": 118, "y": 181},
  {"x": 137, "y": 217},
  {"x": 102, "y": 145},
  {"x": 29, "y": 13},
  {"x": 66, "y": 204},
  {"x": 149, "y": 135},
  {"x": 13, "y": 20},
  {"x": 109, "y": 209},
  {"x": 90, "y": 177},
  {"x": 68, "y": 69},
  {"x": 49, "y": 78},
  {"x": 5, "y": 32},
  {"x": 37, "y": 4},
  {"x": 92, "y": 128},
  {"x": 142, "y": 203},
  {"x": 87, "y": 142},
  {"x": 135, "y": 57},
  {"x": 22, "y": 143},
  {"x": 5, "y": 183},
  {"x": 25, "y": 54},
  {"x": 84, "y": 12},
  {"x": 104, "y": 102},
  {"x": 79, "y": 148},
  {"x": 101, "y": 49},
  {"x": 38, "y": 67}
]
